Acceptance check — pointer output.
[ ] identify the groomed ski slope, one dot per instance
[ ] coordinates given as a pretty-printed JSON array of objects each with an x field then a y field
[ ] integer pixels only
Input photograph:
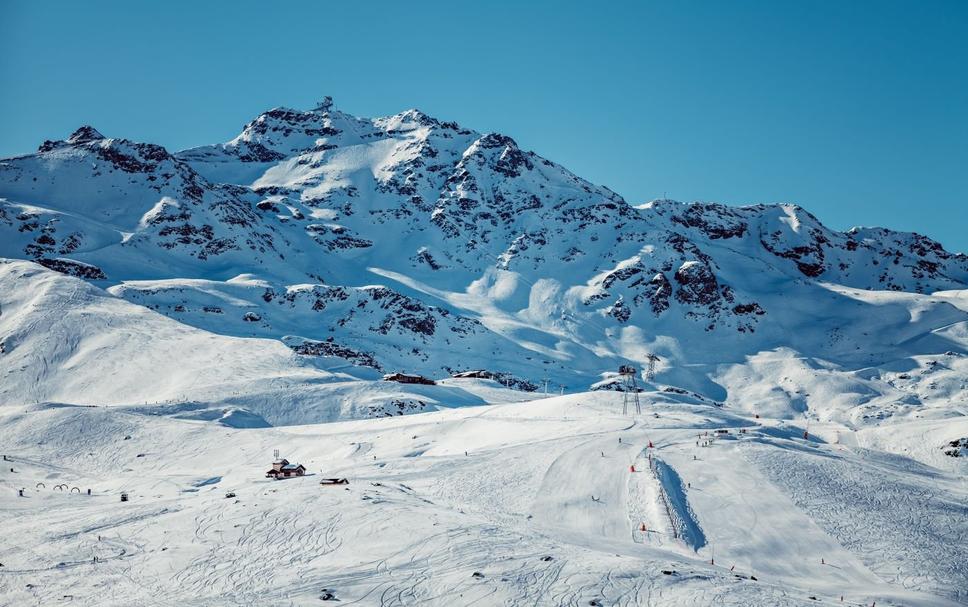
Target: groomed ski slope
[{"x": 488, "y": 505}]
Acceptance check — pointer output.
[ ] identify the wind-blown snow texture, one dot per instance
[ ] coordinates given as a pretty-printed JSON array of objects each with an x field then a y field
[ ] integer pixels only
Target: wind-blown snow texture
[{"x": 273, "y": 279}]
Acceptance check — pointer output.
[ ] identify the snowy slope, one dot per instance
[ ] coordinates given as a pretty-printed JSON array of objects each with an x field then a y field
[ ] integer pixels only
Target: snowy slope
[
  {"x": 167, "y": 320},
  {"x": 519, "y": 504},
  {"x": 67, "y": 341}
]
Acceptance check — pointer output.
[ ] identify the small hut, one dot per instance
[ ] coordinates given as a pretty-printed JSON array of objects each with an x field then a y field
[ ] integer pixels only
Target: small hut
[
  {"x": 405, "y": 378},
  {"x": 283, "y": 469}
]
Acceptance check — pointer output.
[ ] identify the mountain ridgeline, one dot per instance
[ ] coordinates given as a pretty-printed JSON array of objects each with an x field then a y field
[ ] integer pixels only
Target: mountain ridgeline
[{"x": 405, "y": 243}]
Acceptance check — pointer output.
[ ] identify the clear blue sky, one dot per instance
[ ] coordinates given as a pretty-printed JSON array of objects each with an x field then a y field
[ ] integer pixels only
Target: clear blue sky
[{"x": 856, "y": 110}]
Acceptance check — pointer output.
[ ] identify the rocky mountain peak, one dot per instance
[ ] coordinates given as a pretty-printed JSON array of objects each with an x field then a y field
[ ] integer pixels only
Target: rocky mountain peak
[
  {"x": 496, "y": 140},
  {"x": 85, "y": 134}
]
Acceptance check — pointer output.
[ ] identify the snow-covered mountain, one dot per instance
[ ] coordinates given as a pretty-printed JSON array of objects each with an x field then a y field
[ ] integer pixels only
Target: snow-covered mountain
[
  {"x": 405, "y": 243},
  {"x": 168, "y": 320}
]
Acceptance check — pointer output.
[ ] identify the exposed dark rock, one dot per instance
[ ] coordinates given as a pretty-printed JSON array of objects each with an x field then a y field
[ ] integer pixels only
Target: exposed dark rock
[
  {"x": 956, "y": 448},
  {"x": 809, "y": 258},
  {"x": 750, "y": 308},
  {"x": 619, "y": 311},
  {"x": 329, "y": 347},
  {"x": 73, "y": 268},
  {"x": 658, "y": 292},
  {"x": 85, "y": 134},
  {"x": 697, "y": 284},
  {"x": 714, "y": 221},
  {"x": 398, "y": 406}
]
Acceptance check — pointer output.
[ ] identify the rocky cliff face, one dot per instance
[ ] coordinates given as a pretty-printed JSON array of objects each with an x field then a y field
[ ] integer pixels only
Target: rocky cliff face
[{"x": 408, "y": 243}]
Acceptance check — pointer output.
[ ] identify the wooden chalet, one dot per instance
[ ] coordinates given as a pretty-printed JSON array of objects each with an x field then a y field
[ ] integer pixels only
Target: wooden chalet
[{"x": 283, "y": 469}]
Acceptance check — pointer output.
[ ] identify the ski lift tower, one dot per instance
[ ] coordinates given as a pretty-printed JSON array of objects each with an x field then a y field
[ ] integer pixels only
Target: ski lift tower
[
  {"x": 630, "y": 391},
  {"x": 650, "y": 372}
]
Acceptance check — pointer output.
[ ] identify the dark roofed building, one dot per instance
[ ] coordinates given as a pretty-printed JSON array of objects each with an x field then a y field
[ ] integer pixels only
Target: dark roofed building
[
  {"x": 283, "y": 469},
  {"x": 405, "y": 378}
]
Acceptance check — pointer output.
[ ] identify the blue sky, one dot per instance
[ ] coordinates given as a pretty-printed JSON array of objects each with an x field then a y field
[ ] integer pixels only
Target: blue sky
[{"x": 856, "y": 110}]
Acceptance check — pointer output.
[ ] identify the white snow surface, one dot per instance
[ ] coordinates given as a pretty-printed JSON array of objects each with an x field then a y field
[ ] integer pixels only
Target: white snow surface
[
  {"x": 167, "y": 320},
  {"x": 526, "y": 503}
]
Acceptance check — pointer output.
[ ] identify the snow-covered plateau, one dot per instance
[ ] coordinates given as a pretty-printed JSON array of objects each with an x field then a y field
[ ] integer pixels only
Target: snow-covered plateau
[{"x": 169, "y": 320}]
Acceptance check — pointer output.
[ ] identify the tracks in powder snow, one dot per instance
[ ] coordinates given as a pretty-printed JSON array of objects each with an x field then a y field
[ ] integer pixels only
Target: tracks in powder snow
[
  {"x": 244, "y": 552},
  {"x": 899, "y": 524}
]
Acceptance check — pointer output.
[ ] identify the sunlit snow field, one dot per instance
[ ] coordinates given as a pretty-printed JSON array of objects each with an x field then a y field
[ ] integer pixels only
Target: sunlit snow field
[{"x": 524, "y": 503}]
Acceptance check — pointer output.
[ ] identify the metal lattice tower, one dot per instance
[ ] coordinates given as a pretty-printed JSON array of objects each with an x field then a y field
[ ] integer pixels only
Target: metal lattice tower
[
  {"x": 630, "y": 391},
  {"x": 650, "y": 372}
]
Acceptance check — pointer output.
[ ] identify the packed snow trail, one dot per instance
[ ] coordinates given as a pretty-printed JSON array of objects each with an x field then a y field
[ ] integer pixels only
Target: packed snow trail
[{"x": 585, "y": 490}]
